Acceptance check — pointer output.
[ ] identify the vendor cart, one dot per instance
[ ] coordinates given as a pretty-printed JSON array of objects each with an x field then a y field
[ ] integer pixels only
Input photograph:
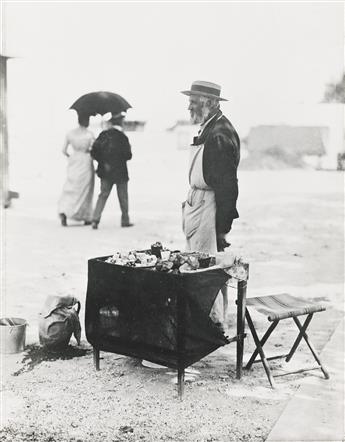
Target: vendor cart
[{"x": 157, "y": 316}]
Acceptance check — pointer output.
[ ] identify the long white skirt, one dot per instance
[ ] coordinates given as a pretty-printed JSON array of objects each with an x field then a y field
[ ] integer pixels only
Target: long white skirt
[{"x": 77, "y": 194}]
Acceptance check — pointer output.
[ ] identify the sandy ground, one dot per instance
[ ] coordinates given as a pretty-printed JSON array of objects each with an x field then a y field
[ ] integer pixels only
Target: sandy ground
[{"x": 290, "y": 230}]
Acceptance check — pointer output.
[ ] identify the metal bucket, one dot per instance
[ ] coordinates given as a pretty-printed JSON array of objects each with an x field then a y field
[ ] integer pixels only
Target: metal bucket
[{"x": 12, "y": 335}]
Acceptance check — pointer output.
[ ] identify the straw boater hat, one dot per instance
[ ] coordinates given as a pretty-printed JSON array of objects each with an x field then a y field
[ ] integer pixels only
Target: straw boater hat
[{"x": 206, "y": 89}]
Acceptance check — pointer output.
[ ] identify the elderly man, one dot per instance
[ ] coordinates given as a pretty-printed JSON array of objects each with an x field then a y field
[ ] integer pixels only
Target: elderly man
[{"x": 210, "y": 207}]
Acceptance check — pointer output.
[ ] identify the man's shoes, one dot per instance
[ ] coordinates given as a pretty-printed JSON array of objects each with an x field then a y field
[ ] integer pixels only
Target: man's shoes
[
  {"x": 63, "y": 219},
  {"x": 127, "y": 225},
  {"x": 94, "y": 225},
  {"x": 87, "y": 223}
]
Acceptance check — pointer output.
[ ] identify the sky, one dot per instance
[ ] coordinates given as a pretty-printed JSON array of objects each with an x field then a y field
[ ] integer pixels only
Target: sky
[{"x": 267, "y": 57}]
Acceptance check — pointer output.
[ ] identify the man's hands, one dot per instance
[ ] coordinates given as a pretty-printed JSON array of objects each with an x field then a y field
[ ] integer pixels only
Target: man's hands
[{"x": 222, "y": 242}]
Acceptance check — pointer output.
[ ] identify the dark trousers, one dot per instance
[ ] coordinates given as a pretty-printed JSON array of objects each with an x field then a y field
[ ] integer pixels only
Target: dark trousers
[{"x": 122, "y": 194}]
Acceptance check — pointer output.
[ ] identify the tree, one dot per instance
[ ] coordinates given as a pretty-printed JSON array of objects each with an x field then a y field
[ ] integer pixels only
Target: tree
[{"x": 335, "y": 92}]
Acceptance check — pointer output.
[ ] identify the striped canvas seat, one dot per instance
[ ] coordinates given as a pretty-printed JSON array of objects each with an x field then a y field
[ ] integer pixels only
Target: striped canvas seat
[
  {"x": 283, "y": 306},
  {"x": 276, "y": 308}
]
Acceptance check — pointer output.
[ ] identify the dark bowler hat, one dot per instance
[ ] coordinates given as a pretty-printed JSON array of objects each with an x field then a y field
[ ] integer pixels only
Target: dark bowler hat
[
  {"x": 117, "y": 118},
  {"x": 119, "y": 115},
  {"x": 206, "y": 89}
]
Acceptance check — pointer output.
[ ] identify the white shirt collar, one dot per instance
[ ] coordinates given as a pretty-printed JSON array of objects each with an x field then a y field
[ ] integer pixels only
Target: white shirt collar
[
  {"x": 203, "y": 125},
  {"x": 118, "y": 128}
]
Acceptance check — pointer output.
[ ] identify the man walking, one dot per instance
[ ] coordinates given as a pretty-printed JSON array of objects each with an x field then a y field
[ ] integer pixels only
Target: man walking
[
  {"x": 210, "y": 208},
  {"x": 112, "y": 151}
]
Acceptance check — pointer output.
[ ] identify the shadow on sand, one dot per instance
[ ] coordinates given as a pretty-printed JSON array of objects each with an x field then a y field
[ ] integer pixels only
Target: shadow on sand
[{"x": 36, "y": 354}]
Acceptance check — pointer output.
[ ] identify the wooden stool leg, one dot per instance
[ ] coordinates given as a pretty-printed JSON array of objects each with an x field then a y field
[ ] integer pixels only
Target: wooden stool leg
[
  {"x": 262, "y": 343},
  {"x": 96, "y": 358},
  {"x": 180, "y": 381},
  {"x": 241, "y": 308},
  {"x": 260, "y": 350},
  {"x": 300, "y": 335},
  {"x": 311, "y": 347}
]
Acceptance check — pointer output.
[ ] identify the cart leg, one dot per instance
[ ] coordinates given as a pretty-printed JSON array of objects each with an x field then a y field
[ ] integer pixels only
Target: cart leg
[
  {"x": 241, "y": 308},
  {"x": 225, "y": 295},
  {"x": 96, "y": 358},
  {"x": 181, "y": 341},
  {"x": 180, "y": 382}
]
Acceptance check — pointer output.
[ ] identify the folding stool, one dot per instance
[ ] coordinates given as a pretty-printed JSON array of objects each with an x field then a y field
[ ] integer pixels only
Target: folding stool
[{"x": 276, "y": 308}]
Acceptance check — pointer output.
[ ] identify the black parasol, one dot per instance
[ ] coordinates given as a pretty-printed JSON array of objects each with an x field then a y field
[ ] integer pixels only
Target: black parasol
[{"x": 101, "y": 103}]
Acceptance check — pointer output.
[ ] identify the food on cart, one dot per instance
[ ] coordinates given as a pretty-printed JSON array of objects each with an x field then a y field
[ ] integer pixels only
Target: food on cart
[
  {"x": 165, "y": 254},
  {"x": 190, "y": 263},
  {"x": 167, "y": 261},
  {"x": 164, "y": 266},
  {"x": 177, "y": 259},
  {"x": 156, "y": 249},
  {"x": 193, "y": 261},
  {"x": 178, "y": 262},
  {"x": 205, "y": 260},
  {"x": 133, "y": 259},
  {"x": 186, "y": 268}
]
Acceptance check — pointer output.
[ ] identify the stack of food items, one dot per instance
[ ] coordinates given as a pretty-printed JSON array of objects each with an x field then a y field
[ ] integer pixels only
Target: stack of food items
[
  {"x": 163, "y": 259},
  {"x": 133, "y": 259}
]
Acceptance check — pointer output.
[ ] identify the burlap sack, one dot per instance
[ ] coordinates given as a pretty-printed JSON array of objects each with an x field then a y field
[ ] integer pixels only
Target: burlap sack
[{"x": 58, "y": 320}]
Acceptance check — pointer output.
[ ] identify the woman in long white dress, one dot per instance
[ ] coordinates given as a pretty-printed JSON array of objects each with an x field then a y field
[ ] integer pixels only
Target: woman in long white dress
[{"x": 77, "y": 194}]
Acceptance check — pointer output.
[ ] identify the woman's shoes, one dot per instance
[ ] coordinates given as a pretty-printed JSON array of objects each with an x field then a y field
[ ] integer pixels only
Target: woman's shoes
[
  {"x": 63, "y": 219},
  {"x": 94, "y": 225}
]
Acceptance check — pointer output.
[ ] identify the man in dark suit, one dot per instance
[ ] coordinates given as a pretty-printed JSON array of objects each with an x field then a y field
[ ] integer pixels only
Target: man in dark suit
[{"x": 112, "y": 151}]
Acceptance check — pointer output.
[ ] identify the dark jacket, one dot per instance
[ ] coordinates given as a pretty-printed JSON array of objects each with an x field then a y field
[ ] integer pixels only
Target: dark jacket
[
  {"x": 112, "y": 151},
  {"x": 220, "y": 161}
]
